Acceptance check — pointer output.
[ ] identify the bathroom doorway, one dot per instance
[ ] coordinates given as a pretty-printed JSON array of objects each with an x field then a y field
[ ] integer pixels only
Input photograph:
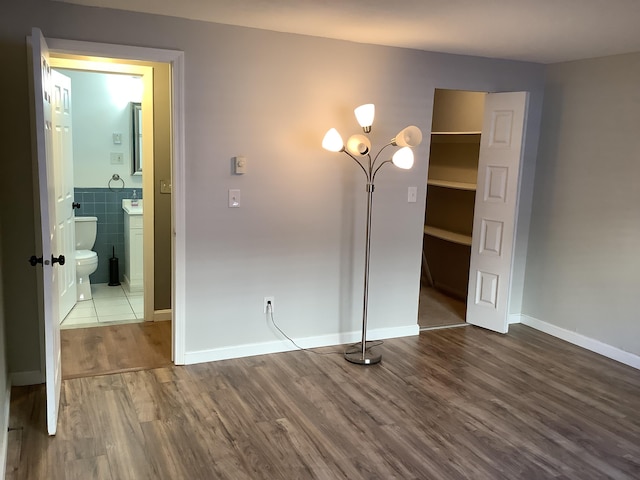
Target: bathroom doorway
[
  {"x": 104, "y": 178},
  {"x": 111, "y": 174},
  {"x": 40, "y": 51}
]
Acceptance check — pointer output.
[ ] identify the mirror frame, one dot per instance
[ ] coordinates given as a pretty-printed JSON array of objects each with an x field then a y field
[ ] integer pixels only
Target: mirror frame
[{"x": 136, "y": 138}]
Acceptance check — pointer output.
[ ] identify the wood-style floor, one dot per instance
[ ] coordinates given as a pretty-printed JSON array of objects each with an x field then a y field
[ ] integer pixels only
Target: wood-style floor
[
  {"x": 460, "y": 403},
  {"x": 88, "y": 352}
]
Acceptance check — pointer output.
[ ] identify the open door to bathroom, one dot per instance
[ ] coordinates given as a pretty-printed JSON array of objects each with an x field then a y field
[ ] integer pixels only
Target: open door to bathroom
[{"x": 43, "y": 149}]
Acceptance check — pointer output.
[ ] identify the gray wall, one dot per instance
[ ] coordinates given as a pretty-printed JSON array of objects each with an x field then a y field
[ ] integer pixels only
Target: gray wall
[
  {"x": 299, "y": 234},
  {"x": 583, "y": 267}
]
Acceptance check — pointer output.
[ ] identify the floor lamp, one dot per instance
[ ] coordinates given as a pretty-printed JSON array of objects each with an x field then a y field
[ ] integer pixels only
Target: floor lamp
[{"x": 360, "y": 146}]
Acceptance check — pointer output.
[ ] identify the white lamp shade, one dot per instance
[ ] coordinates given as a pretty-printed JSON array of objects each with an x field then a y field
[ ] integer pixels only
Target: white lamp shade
[
  {"x": 332, "y": 141},
  {"x": 410, "y": 136},
  {"x": 403, "y": 158},
  {"x": 358, "y": 145},
  {"x": 365, "y": 114}
]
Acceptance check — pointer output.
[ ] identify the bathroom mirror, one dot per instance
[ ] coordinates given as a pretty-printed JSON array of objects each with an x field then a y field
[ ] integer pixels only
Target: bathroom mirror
[{"x": 136, "y": 138}]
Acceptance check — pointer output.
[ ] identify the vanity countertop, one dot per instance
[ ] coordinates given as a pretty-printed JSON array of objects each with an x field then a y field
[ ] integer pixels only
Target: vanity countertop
[{"x": 126, "y": 206}]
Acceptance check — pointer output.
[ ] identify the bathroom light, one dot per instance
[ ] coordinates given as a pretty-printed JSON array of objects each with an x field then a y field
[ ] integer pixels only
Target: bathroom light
[
  {"x": 360, "y": 146},
  {"x": 365, "y": 115},
  {"x": 124, "y": 89},
  {"x": 136, "y": 89}
]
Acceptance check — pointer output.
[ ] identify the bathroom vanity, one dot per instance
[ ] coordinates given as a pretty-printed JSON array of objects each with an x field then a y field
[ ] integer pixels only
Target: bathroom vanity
[{"x": 133, "y": 246}]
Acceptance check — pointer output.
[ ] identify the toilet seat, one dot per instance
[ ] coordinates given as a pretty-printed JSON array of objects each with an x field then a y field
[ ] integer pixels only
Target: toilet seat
[{"x": 86, "y": 257}]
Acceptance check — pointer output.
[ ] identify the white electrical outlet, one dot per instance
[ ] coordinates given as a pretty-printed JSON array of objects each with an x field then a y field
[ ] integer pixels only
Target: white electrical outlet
[{"x": 267, "y": 300}]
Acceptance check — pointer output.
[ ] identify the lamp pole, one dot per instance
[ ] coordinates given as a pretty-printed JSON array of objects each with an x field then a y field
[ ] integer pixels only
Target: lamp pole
[{"x": 362, "y": 356}]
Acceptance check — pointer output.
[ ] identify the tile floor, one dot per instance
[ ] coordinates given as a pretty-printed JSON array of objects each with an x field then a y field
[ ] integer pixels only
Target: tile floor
[{"x": 109, "y": 305}]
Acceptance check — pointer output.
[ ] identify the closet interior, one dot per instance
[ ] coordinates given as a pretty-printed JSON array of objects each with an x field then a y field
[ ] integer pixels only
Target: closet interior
[{"x": 451, "y": 189}]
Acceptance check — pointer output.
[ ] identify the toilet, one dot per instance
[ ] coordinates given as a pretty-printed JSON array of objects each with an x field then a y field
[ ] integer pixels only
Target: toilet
[{"x": 86, "y": 259}]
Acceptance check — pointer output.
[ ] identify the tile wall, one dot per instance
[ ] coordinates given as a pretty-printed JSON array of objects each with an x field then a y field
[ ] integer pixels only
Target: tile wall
[{"x": 105, "y": 204}]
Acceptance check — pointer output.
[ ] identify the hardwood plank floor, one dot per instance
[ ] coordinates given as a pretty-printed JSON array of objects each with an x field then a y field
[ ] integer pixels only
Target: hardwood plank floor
[
  {"x": 88, "y": 352},
  {"x": 450, "y": 404}
]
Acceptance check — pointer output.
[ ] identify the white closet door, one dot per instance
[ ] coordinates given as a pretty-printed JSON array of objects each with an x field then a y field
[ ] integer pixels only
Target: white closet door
[{"x": 495, "y": 210}]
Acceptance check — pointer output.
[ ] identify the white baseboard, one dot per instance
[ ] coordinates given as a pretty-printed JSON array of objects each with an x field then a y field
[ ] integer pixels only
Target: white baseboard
[
  {"x": 20, "y": 379},
  {"x": 249, "y": 350},
  {"x": 135, "y": 288},
  {"x": 596, "y": 346},
  {"x": 514, "y": 318},
  {"x": 5, "y": 431},
  {"x": 162, "y": 315}
]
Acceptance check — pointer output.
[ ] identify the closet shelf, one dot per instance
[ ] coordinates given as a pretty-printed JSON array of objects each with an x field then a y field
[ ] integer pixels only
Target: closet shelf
[
  {"x": 447, "y": 235},
  {"x": 455, "y": 137},
  {"x": 470, "y": 132},
  {"x": 451, "y": 184}
]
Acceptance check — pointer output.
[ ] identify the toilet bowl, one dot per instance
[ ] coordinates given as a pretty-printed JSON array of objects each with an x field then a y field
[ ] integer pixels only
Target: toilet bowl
[
  {"x": 86, "y": 264},
  {"x": 86, "y": 259}
]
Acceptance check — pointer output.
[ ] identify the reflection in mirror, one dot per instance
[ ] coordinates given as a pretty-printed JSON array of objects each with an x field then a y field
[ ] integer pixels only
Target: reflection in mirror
[{"x": 136, "y": 138}]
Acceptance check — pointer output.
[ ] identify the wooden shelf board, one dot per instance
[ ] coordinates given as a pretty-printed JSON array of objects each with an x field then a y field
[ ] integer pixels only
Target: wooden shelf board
[
  {"x": 455, "y": 137},
  {"x": 474, "y": 132},
  {"x": 448, "y": 236},
  {"x": 451, "y": 184}
]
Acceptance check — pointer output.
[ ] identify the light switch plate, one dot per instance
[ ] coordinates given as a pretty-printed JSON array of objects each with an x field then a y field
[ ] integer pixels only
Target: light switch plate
[
  {"x": 412, "y": 194},
  {"x": 234, "y": 198},
  {"x": 117, "y": 138}
]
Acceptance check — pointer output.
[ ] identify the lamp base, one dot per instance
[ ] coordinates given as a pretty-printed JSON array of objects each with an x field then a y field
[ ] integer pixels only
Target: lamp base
[{"x": 369, "y": 358}]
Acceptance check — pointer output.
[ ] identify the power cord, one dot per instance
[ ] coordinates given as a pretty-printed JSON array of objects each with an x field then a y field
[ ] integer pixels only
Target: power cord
[{"x": 348, "y": 349}]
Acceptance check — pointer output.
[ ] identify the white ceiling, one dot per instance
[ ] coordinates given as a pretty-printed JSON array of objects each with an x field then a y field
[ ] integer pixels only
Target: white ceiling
[{"x": 545, "y": 31}]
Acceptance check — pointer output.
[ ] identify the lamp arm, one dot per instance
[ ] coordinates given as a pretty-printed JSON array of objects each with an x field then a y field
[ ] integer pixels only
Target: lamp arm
[
  {"x": 376, "y": 170},
  {"x": 378, "y": 154},
  {"x": 358, "y": 162}
]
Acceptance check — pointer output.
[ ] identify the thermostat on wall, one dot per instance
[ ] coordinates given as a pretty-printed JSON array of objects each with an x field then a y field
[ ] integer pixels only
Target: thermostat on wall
[{"x": 239, "y": 165}]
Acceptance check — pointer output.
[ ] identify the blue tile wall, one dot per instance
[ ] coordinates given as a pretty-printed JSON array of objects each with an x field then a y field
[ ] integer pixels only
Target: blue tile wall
[{"x": 107, "y": 206}]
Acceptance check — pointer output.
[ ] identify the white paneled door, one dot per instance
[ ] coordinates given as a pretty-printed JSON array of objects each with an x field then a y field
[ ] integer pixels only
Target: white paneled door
[
  {"x": 42, "y": 96},
  {"x": 63, "y": 178},
  {"x": 495, "y": 210}
]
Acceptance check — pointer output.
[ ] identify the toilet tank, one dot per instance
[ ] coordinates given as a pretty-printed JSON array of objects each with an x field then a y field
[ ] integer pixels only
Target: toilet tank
[{"x": 86, "y": 230}]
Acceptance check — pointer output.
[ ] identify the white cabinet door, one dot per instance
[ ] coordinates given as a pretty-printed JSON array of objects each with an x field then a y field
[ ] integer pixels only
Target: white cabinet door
[
  {"x": 42, "y": 96},
  {"x": 495, "y": 210}
]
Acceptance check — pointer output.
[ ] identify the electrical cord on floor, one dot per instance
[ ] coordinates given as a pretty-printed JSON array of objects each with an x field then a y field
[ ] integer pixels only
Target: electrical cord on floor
[{"x": 349, "y": 349}]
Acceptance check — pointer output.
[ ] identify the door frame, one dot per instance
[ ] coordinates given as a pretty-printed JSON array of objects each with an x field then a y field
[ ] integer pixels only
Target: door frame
[
  {"x": 471, "y": 88},
  {"x": 61, "y": 47}
]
